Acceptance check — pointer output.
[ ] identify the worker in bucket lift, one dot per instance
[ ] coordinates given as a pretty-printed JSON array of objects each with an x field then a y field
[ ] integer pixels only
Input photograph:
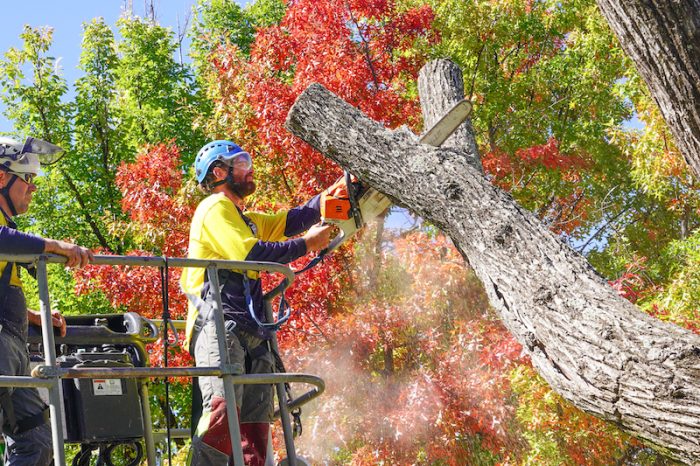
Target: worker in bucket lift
[
  {"x": 222, "y": 229},
  {"x": 24, "y": 414}
]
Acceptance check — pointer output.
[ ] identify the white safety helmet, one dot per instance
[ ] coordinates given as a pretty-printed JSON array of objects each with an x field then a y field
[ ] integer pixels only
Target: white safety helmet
[
  {"x": 27, "y": 157},
  {"x": 24, "y": 160}
]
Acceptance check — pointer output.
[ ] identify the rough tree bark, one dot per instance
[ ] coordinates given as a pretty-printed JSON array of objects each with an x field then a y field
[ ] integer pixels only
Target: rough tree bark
[
  {"x": 662, "y": 37},
  {"x": 440, "y": 87},
  {"x": 595, "y": 348}
]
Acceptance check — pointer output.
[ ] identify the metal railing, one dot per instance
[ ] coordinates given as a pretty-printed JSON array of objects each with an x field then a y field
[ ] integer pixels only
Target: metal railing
[{"x": 49, "y": 374}]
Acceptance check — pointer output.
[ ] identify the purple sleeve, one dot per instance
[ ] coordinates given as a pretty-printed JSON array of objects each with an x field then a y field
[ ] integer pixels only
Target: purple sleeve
[
  {"x": 16, "y": 242},
  {"x": 283, "y": 252},
  {"x": 300, "y": 219}
]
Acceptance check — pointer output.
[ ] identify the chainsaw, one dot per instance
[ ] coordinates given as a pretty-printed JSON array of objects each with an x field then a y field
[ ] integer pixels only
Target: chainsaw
[{"x": 350, "y": 204}]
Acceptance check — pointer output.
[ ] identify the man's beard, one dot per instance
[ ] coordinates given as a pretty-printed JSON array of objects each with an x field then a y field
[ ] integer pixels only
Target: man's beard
[{"x": 243, "y": 189}]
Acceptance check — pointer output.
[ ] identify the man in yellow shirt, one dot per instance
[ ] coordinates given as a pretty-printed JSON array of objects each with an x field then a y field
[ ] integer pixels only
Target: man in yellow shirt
[
  {"x": 222, "y": 229},
  {"x": 27, "y": 436}
]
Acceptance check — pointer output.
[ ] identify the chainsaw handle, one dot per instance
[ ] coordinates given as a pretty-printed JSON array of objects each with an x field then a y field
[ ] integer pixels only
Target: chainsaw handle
[{"x": 335, "y": 242}]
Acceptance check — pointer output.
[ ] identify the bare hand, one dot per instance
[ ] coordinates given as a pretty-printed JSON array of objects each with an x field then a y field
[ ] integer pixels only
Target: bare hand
[
  {"x": 318, "y": 237},
  {"x": 57, "y": 320},
  {"x": 76, "y": 256}
]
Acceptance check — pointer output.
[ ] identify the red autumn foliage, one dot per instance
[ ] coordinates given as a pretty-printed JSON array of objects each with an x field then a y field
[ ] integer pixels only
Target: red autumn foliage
[
  {"x": 358, "y": 49},
  {"x": 500, "y": 164},
  {"x": 149, "y": 188},
  {"x": 633, "y": 284},
  {"x": 522, "y": 171},
  {"x": 547, "y": 155},
  {"x": 690, "y": 321}
]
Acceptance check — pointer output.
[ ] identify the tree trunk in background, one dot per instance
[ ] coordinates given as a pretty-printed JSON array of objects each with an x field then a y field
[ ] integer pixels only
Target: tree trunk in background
[
  {"x": 593, "y": 347},
  {"x": 662, "y": 38},
  {"x": 440, "y": 87}
]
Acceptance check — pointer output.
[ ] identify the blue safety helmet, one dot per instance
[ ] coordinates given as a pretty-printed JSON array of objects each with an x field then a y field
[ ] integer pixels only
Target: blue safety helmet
[{"x": 226, "y": 151}]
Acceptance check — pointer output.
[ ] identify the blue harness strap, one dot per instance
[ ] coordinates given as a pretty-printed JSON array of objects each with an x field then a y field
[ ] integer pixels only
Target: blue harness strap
[{"x": 283, "y": 312}]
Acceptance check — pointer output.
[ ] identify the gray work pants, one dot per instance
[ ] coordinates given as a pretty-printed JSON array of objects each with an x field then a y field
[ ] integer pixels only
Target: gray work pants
[
  {"x": 33, "y": 447},
  {"x": 211, "y": 445}
]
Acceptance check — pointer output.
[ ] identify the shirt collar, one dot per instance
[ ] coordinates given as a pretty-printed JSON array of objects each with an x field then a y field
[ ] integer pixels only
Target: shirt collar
[{"x": 8, "y": 220}]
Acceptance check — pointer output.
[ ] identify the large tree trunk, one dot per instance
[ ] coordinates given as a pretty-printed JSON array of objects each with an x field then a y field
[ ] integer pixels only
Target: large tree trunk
[
  {"x": 662, "y": 37},
  {"x": 595, "y": 348}
]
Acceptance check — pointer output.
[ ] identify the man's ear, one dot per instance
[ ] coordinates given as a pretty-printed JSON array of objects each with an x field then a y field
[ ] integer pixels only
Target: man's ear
[
  {"x": 3, "y": 178},
  {"x": 220, "y": 173}
]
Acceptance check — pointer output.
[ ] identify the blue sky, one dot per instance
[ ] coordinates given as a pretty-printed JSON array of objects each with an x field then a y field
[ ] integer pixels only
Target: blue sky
[{"x": 66, "y": 17}]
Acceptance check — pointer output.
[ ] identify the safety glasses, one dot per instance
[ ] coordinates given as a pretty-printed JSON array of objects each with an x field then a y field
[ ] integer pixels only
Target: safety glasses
[
  {"x": 241, "y": 161},
  {"x": 26, "y": 177}
]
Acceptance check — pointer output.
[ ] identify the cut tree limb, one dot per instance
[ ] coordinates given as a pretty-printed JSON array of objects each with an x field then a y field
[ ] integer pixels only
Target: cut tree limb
[
  {"x": 663, "y": 40},
  {"x": 592, "y": 346}
]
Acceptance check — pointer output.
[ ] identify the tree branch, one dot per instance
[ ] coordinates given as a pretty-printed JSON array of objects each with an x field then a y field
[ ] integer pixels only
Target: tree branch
[{"x": 593, "y": 347}]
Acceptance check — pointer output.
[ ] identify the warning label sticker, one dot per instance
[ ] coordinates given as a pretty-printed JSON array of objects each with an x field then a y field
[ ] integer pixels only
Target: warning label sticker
[{"x": 107, "y": 387}]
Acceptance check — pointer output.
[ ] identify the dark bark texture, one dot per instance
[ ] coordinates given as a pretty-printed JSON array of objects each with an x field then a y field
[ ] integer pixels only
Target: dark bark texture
[
  {"x": 593, "y": 347},
  {"x": 662, "y": 37}
]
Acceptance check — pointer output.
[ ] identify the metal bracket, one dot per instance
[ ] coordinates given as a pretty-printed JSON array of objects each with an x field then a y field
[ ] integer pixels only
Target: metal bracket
[{"x": 47, "y": 372}]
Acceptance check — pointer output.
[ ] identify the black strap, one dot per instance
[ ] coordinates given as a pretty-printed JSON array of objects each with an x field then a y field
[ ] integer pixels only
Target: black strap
[
  {"x": 6, "y": 276},
  {"x": 4, "y": 288},
  {"x": 8, "y": 409},
  {"x": 204, "y": 314},
  {"x": 5, "y": 192},
  {"x": 7, "y": 272},
  {"x": 199, "y": 322},
  {"x": 229, "y": 176},
  {"x": 164, "y": 276},
  {"x": 10, "y": 420},
  {"x": 28, "y": 423}
]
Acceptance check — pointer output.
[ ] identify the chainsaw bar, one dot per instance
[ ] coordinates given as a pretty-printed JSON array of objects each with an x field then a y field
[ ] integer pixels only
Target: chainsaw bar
[
  {"x": 448, "y": 124},
  {"x": 370, "y": 202}
]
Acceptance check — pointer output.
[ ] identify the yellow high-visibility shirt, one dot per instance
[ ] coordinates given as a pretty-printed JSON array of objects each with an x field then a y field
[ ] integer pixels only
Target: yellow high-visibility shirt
[{"x": 218, "y": 231}]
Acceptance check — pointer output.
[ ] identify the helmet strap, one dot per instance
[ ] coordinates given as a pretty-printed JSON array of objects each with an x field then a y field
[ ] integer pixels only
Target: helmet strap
[
  {"x": 229, "y": 176},
  {"x": 237, "y": 188},
  {"x": 5, "y": 192}
]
